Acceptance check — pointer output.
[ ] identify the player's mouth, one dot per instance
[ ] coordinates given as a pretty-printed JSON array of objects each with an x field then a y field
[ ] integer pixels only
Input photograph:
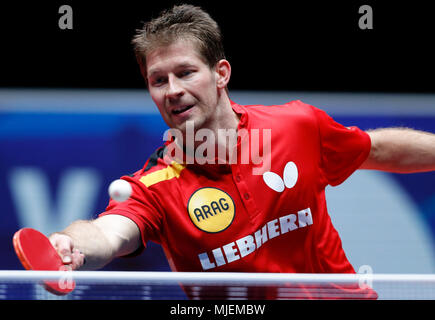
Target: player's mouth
[{"x": 181, "y": 109}]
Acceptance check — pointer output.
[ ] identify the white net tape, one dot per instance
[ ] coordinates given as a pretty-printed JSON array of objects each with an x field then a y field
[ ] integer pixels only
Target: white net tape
[{"x": 208, "y": 285}]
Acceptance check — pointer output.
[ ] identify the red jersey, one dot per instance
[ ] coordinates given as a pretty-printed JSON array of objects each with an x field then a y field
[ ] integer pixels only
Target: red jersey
[{"x": 230, "y": 218}]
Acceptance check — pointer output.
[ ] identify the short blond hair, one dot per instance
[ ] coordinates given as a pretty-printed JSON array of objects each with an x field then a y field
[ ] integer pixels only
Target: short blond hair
[{"x": 185, "y": 22}]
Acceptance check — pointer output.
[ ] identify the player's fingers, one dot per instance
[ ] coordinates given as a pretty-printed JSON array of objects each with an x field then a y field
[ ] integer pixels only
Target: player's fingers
[
  {"x": 64, "y": 246},
  {"x": 53, "y": 239},
  {"x": 66, "y": 256},
  {"x": 78, "y": 259}
]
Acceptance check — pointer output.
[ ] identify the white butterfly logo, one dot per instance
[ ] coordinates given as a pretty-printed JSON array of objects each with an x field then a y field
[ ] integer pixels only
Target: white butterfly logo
[{"x": 276, "y": 183}]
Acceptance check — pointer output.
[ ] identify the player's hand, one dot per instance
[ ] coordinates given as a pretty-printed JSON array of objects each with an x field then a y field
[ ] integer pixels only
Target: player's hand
[{"x": 71, "y": 256}]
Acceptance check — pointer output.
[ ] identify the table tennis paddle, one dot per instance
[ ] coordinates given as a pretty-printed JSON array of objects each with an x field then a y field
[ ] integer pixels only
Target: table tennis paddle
[{"x": 36, "y": 252}]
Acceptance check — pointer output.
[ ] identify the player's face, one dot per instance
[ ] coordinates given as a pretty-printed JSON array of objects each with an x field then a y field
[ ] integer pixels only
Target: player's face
[{"x": 182, "y": 85}]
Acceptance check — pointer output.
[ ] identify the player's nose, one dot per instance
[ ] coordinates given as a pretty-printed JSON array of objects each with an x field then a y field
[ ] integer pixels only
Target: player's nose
[{"x": 174, "y": 88}]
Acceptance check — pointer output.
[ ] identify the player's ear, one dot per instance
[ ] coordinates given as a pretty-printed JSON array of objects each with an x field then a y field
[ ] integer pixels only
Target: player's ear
[{"x": 223, "y": 72}]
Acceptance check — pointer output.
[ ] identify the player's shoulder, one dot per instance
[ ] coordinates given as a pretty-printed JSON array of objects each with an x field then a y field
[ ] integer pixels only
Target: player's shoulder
[
  {"x": 157, "y": 169},
  {"x": 294, "y": 106},
  {"x": 296, "y": 110}
]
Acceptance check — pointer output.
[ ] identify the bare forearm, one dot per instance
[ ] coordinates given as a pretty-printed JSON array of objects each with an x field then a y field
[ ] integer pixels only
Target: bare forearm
[
  {"x": 99, "y": 241},
  {"x": 92, "y": 242},
  {"x": 401, "y": 150}
]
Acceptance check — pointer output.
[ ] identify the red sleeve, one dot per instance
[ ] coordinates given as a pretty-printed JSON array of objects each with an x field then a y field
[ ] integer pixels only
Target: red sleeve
[
  {"x": 343, "y": 149},
  {"x": 142, "y": 208}
]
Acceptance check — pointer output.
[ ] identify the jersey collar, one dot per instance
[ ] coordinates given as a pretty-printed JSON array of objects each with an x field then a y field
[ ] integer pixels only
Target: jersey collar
[{"x": 241, "y": 112}]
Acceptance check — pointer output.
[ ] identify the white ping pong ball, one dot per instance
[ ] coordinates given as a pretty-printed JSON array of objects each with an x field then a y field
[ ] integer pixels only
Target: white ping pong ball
[{"x": 120, "y": 190}]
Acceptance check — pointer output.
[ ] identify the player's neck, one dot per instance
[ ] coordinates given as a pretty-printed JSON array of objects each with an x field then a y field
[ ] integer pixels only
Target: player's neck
[{"x": 221, "y": 137}]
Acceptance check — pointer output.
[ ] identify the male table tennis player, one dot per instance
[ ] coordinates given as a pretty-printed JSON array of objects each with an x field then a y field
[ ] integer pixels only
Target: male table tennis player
[{"x": 225, "y": 217}]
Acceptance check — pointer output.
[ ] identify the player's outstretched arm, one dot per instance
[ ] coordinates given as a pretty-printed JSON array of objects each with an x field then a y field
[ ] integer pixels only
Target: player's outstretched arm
[
  {"x": 90, "y": 245},
  {"x": 401, "y": 150}
]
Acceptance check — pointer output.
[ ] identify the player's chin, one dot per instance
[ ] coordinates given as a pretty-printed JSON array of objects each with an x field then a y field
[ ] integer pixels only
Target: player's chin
[
  {"x": 180, "y": 126},
  {"x": 191, "y": 125},
  {"x": 185, "y": 120}
]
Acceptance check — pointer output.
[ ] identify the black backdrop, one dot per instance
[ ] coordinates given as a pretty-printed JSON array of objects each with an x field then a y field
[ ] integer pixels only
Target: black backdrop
[{"x": 272, "y": 45}]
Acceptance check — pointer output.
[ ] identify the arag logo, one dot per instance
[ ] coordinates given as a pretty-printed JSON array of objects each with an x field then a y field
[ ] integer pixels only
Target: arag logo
[{"x": 211, "y": 209}]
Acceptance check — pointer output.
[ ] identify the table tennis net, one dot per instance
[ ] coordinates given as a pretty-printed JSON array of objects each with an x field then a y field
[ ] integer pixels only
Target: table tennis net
[{"x": 110, "y": 285}]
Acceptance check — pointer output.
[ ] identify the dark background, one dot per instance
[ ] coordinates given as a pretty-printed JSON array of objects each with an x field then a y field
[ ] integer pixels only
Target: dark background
[{"x": 272, "y": 45}]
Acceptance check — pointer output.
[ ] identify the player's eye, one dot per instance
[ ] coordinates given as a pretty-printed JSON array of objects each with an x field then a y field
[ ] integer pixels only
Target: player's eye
[
  {"x": 158, "y": 81},
  {"x": 185, "y": 73}
]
